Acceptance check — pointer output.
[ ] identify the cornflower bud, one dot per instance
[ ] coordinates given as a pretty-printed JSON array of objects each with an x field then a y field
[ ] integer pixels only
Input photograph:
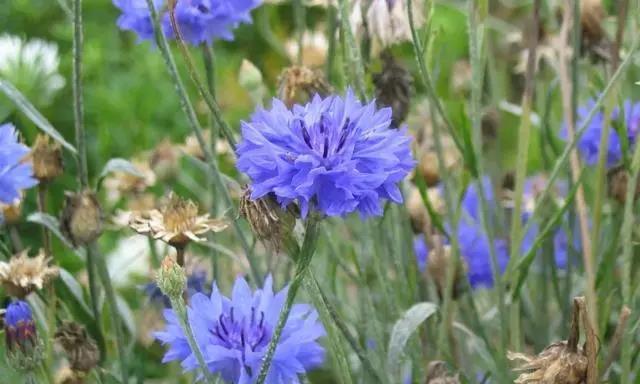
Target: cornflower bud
[
  {"x": 24, "y": 349},
  {"x": 171, "y": 278},
  {"x": 81, "y": 219}
]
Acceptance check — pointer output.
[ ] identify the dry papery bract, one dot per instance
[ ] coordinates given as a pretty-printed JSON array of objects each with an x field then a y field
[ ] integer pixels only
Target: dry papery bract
[{"x": 23, "y": 274}]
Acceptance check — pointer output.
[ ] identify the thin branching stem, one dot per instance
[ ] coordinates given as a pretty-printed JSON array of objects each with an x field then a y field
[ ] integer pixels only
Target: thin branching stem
[
  {"x": 303, "y": 261},
  {"x": 192, "y": 119}
]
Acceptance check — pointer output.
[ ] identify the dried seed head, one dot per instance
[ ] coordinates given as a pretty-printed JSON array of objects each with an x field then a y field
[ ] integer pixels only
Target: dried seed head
[
  {"x": 420, "y": 221},
  {"x": 438, "y": 373},
  {"x": 594, "y": 37},
  {"x": 23, "y": 274},
  {"x": 81, "y": 350},
  {"x": 437, "y": 266},
  {"x": 618, "y": 179},
  {"x": 555, "y": 364},
  {"x": 267, "y": 219},
  {"x": 46, "y": 157},
  {"x": 11, "y": 214},
  {"x": 171, "y": 278},
  {"x": 81, "y": 218},
  {"x": 394, "y": 86},
  {"x": 164, "y": 160},
  {"x": 299, "y": 84},
  {"x": 177, "y": 223}
]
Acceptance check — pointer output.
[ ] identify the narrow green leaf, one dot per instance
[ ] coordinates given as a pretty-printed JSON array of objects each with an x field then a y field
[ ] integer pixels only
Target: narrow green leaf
[
  {"x": 32, "y": 113},
  {"x": 52, "y": 224},
  {"x": 403, "y": 329}
]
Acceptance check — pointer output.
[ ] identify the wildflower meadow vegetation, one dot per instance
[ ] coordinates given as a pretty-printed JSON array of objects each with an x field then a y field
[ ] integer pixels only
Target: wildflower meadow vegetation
[{"x": 319, "y": 191}]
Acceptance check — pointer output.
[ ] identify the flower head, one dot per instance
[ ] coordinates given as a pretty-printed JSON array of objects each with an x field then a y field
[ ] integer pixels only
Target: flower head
[
  {"x": 80, "y": 348},
  {"x": 46, "y": 157},
  {"x": 81, "y": 217},
  {"x": 20, "y": 329},
  {"x": 32, "y": 66},
  {"x": 196, "y": 283},
  {"x": 199, "y": 21},
  {"x": 177, "y": 223},
  {"x": 233, "y": 334},
  {"x": 388, "y": 21},
  {"x": 23, "y": 274},
  {"x": 15, "y": 175},
  {"x": 334, "y": 155},
  {"x": 589, "y": 143}
]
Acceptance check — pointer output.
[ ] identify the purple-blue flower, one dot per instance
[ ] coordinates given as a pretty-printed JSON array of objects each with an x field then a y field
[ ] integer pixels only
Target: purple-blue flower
[
  {"x": 334, "y": 155},
  {"x": 15, "y": 175},
  {"x": 200, "y": 21},
  {"x": 19, "y": 327},
  {"x": 473, "y": 240},
  {"x": 589, "y": 143},
  {"x": 421, "y": 251},
  {"x": 233, "y": 335}
]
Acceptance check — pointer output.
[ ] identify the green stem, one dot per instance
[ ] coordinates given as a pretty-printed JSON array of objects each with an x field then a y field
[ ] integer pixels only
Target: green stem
[
  {"x": 331, "y": 37},
  {"x": 476, "y": 37},
  {"x": 302, "y": 267},
  {"x": 352, "y": 51},
  {"x": 209, "y": 99},
  {"x": 564, "y": 157},
  {"x": 78, "y": 108},
  {"x": 299, "y": 18},
  {"x": 188, "y": 110},
  {"x": 178, "y": 305},
  {"x": 627, "y": 263},
  {"x": 325, "y": 306},
  {"x": 103, "y": 273}
]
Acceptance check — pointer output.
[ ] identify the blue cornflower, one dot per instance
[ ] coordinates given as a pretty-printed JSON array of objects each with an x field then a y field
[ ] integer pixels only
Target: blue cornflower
[
  {"x": 474, "y": 242},
  {"x": 200, "y": 21},
  {"x": 421, "y": 251},
  {"x": 333, "y": 155},
  {"x": 233, "y": 335},
  {"x": 589, "y": 143},
  {"x": 196, "y": 283},
  {"x": 20, "y": 329},
  {"x": 15, "y": 175}
]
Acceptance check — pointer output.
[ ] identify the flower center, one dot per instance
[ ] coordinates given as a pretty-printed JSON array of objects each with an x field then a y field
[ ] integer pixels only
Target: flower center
[
  {"x": 321, "y": 137},
  {"x": 238, "y": 333},
  {"x": 179, "y": 216}
]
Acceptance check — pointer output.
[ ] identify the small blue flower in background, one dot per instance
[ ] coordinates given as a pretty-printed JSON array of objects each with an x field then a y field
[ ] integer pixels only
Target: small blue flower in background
[
  {"x": 333, "y": 155},
  {"x": 233, "y": 334},
  {"x": 473, "y": 241},
  {"x": 589, "y": 143},
  {"x": 200, "y": 21},
  {"x": 196, "y": 283},
  {"x": 421, "y": 251},
  {"x": 14, "y": 174},
  {"x": 20, "y": 329}
]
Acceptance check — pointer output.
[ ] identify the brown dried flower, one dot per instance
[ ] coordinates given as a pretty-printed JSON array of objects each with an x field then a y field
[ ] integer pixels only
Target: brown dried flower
[
  {"x": 177, "y": 223},
  {"x": 267, "y": 219},
  {"x": 66, "y": 375},
  {"x": 81, "y": 349},
  {"x": 46, "y": 156},
  {"x": 11, "y": 213},
  {"x": 617, "y": 180},
  {"x": 394, "y": 86},
  {"x": 555, "y": 364},
  {"x": 119, "y": 183},
  {"x": 299, "y": 84},
  {"x": 164, "y": 160},
  {"x": 81, "y": 218},
  {"x": 438, "y": 373},
  {"x": 439, "y": 261},
  {"x": 23, "y": 274}
]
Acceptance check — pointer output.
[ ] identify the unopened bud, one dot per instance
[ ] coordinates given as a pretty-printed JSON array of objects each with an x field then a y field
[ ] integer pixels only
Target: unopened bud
[
  {"x": 171, "y": 278},
  {"x": 81, "y": 219},
  {"x": 24, "y": 349},
  {"x": 618, "y": 180},
  {"x": 81, "y": 350},
  {"x": 46, "y": 156}
]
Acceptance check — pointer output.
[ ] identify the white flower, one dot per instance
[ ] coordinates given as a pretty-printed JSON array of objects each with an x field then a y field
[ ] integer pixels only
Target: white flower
[
  {"x": 32, "y": 66},
  {"x": 387, "y": 20}
]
